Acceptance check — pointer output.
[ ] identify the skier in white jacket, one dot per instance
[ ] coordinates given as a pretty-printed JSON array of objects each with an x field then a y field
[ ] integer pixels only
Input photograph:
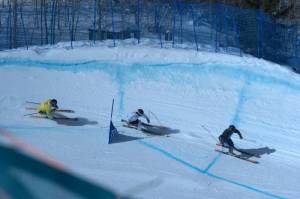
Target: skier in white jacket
[{"x": 133, "y": 118}]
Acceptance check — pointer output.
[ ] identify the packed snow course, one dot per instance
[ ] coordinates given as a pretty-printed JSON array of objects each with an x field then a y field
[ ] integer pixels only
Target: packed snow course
[{"x": 196, "y": 94}]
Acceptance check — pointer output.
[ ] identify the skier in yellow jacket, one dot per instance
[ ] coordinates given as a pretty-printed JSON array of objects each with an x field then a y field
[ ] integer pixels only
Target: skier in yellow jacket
[{"x": 48, "y": 108}]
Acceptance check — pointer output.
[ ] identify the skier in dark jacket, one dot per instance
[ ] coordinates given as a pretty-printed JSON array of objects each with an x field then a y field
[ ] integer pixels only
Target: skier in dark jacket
[{"x": 225, "y": 138}]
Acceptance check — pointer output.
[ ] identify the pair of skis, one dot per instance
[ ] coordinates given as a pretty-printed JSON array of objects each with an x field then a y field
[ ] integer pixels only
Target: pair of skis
[
  {"x": 243, "y": 156},
  {"x": 148, "y": 129},
  {"x": 55, "y": 118},
  {"x": 58, "y": 110}
]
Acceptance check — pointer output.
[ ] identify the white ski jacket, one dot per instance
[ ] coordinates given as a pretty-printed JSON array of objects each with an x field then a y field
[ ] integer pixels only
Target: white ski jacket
[{"x": 135, "y": 116}]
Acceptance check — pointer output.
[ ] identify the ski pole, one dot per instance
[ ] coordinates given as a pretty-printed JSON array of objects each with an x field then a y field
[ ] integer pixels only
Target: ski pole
[
  {"x": 209, "y": 132},
  {"x": 156, "y": 118},
  {"x": 32, "y": 102},
  {"x": 249, "y": 140},
  {"x": 30, "y": 114}
]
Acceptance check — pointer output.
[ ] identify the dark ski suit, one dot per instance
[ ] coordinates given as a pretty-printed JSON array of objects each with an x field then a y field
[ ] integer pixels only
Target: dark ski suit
[{"x": 225, "y": 138}]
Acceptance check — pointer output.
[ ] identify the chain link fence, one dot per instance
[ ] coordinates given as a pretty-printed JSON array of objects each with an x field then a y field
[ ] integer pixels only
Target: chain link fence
[{"x": 201, "y": 26}]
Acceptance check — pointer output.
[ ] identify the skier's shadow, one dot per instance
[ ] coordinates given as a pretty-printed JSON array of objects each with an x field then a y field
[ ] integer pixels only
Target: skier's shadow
[
  {"x": 160, "y": 130},
  {"x": 149, "y": 130},
  {"x": 127, "y": 138},
  {"x": 256, "y": 152},
  {"x": 79, "y": 121}
]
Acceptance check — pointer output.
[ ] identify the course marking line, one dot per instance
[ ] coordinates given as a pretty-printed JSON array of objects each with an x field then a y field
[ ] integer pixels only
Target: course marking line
[
  {"x": 210, "y": 165},
  {"x": 203, "y": 171}
]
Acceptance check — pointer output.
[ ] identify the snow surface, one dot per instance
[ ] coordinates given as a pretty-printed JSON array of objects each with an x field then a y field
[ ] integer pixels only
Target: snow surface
[{"x": 196, "y": 94}]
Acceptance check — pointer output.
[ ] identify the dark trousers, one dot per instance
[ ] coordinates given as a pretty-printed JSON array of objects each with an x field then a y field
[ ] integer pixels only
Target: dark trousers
[
  {"x": 134, "y": 123},
  {"x": 227, "y": 143}
]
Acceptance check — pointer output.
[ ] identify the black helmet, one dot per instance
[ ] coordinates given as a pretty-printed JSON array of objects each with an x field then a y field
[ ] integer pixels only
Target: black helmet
[
  {"x": 53, "y": 103},
  {"x": 232, "y": 126},
  {"x": 140, "y": 111}
]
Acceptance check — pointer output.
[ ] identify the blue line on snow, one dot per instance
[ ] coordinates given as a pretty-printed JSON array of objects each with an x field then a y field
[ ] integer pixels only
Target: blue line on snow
[
  {"x": 120, "y": 76},
  {"x": 212, "y": 162},
  {"x": 246, "y": 186},
  {"x": 241, "y": 102},
  {"x": 171, "y": 156},
  {"x": 44, "y": 64},
  {"x": 189, "y": 165}
]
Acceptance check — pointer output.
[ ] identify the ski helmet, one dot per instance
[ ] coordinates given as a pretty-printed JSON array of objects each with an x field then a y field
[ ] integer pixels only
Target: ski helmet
[
  {"x": 140, "y": 111},
  {"x": 232, "y": 126},
  {"x": 53, "y": 103}
]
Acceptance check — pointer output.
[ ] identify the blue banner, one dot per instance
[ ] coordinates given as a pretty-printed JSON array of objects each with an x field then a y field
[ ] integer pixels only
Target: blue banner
[{"x": 113, "y": 132}]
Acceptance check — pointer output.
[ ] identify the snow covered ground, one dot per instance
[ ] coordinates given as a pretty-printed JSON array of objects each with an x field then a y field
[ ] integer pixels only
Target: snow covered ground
[{"x": 196, "y": 94}]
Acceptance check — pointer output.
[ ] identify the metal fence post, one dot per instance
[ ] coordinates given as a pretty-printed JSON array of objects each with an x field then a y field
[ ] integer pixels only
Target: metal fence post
[
  {"x": 55, "y": 14},
  {"x": 41, "y": 22},
  {"x": 237, "y": 33},
  {"x": 23, "y": 26},
  {"x": 45, "y": 7},
  {"x": 260, "y": 34},
  {"x": 225, "y": 17},
  {"x": 112, "y": 22},
  {"x": 216, "y": 26},
  {"x": 94, "y": 23},
  {"x": 52, "y": 22},
  {"x": 238, "y": 40},
  {"x": 8, "y": 32},
  {"x": 181, "y": 13},
  {"x": 174, "y": 23},
  {"x": 71, "y": 24},
  {"x": 297, "y": 45},
  {"x": 138, "y": 19},
  {"x": 194, "y": 27},
  {"x": 157, "y": 20}
]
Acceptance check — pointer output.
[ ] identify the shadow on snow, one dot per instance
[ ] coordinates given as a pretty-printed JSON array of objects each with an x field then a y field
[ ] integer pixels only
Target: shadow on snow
[
  {"x": 256, "y": 152},
  {"x": 78, "y": 121},
  {"x": 148, "y": 132}
]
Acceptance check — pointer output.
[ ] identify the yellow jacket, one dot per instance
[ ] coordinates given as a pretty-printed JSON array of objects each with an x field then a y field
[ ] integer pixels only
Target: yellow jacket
[{"x": 45, "y": 108}]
